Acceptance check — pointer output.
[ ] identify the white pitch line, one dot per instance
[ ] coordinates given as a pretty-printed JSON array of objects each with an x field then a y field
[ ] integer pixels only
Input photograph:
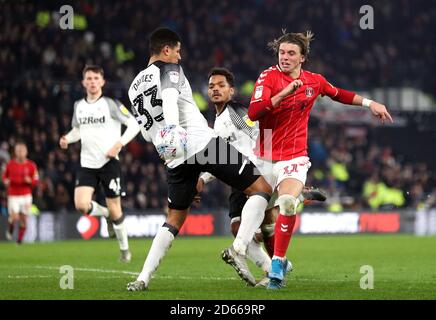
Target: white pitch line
[
  {"x": 52, "y": 276},
  {"x": 185, "y": 277},
  {"x": 137, "y": 273},
  {"x": 27, "y": 277},
  {"x": 91, "y": 270}
]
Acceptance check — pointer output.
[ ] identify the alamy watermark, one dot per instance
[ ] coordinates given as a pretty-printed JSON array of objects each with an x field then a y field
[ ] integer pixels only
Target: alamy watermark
[
  {"x": 221, "y": 152},
  {"x": 367, "y": 280},
  {"x": 367, "y": 20},
  {"x": 67, "y": 280},
  {"x": 66, "y": 22}
]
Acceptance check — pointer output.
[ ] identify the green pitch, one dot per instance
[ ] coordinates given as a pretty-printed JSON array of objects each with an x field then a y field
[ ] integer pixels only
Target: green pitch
[{"x": 325, "y": 267}]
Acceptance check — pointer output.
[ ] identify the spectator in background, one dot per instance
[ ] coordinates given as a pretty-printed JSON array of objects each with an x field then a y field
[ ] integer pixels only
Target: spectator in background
[{"x": 45, "y": 62}]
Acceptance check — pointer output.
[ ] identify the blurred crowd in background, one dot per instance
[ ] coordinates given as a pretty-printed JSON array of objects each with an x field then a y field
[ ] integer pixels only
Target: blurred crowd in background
[{"x": 358, "y": 167}]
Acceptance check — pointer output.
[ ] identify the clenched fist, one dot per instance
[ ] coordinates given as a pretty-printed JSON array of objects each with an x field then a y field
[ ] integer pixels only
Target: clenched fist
[{"x": 63, "y": 142}]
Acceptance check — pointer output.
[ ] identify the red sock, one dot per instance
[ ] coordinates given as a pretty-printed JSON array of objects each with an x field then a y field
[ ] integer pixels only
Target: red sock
[
  {"x": 11, "y": 227},
  {"x": 21, "y": 232},
  {"x": 283, "y": 233},
  {"x": 269, "y": 245}
]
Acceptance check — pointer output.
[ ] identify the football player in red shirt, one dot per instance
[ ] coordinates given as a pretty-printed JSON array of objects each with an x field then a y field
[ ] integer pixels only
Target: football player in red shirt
[
  {"x": 282, "y": 99},
  {"x": 20, "y": 176}
]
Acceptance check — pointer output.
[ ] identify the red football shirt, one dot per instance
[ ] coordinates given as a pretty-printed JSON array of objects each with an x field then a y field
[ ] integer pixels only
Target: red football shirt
[
  {"x": 283, "y": 130},
  {"x": 16, "y": 172}
]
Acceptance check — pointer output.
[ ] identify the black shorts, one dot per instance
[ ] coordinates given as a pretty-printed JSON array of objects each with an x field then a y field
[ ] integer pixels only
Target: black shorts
[
  {"x": 218, "y": 158},
  {"x": 109, "y": 176},
  {"x": 237, "y": 200}
]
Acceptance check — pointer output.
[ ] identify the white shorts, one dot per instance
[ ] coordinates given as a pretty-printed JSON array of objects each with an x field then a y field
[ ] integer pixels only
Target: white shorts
[
  {"x": 276, "y": 172},
  {"x": 20, "y": 204}
]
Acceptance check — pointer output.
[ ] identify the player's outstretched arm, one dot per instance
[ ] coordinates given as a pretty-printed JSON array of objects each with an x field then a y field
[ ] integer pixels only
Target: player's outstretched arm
[
  {"x": 347, "y": 97},
  {"x": 70, "y": 137},
  {"x": 131, "y": 131},
  {"x": 169, "y": 106},
  {"x": 204, "y": 178},
  {"x": 200, "y": 186},
  {"x": 63, "y": 142},
  {"x": 379, "y": 110}
]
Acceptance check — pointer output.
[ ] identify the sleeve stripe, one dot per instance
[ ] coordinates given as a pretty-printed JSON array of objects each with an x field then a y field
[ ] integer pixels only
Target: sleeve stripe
[{"x": 240, "y": 124}]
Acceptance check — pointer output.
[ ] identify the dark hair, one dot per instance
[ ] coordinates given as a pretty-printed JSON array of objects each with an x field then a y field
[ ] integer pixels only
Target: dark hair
[
  {"x": 162, "y": 37},
  {"x": 300, "y": 39},
  {"x": 20, "y": 141},
  {"x": 223, "y": 72},
  {"x": 94, "y": 68}
]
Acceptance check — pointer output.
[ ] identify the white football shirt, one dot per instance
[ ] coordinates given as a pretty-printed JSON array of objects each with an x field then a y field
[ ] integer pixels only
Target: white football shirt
[
  {"x": 145, "y": 94},
  {"x": 99, "y": 124},
  {"x": 234, "y": 126}
]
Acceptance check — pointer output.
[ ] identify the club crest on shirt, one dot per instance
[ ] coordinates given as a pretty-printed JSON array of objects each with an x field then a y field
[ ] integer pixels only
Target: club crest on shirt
[
  {"x": 309, "y": 92},
  {"x": 258, "y": 92},
  {"x": 174, "y": 76},
  {"x": 124, "y": 110},
  {"x": 248, "y": 121}
]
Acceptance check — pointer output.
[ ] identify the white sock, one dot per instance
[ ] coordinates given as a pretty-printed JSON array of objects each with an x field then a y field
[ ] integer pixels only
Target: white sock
[
  {"x": 252, "y": 216},
  {"x": 258, "y": 256},
  {"x": 161, "y": 243},
  {"x": 121, "y": 233},
  {"x": 98, "y": 210}
]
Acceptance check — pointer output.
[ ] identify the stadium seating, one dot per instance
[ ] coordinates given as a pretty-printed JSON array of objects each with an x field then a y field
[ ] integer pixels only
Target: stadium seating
[{"x": 40, "y": 80}]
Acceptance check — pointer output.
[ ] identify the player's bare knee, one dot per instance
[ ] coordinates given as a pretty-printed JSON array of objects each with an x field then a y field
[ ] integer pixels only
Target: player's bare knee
[
  {"x": 258, "y": 237},
  {"x": 270, "y": 216},
  {"x": 115, "y": 214},
  {"x": 259, "y": 186},
  {"x": 114, "y": 204},
  {"x": 115, "y": 211},
  {"x": 264, "y": 186},
  {"x": 267, "y": 229},
  {"x": 82, "y": 207},
  {"x": 288, "y": 204}
]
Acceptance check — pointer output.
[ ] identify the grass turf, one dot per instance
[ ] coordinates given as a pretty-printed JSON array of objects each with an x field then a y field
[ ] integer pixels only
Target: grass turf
[{"x": 325, "y": 267}]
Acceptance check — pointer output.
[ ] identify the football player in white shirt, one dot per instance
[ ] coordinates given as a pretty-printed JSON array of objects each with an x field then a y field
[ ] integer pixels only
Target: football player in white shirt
[
  {"x": 233, "y": 125},
  {"x": 97, "y": 121},
  {"x": 162, "y": 100}
]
